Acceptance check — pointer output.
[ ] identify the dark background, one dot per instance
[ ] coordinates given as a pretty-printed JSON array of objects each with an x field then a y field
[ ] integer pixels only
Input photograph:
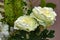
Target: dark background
[{"x": 56, "y": 26}]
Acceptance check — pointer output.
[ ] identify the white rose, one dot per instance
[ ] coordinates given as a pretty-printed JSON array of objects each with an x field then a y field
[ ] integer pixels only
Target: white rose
[
  {"x": 45, "y": 16},
  {"x": 26, "y": 23}
]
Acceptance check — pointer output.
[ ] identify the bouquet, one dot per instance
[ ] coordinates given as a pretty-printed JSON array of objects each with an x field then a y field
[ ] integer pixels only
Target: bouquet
[{"x": 20, "y": 20}]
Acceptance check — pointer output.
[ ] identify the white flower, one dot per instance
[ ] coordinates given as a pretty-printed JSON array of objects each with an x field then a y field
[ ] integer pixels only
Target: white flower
[
  {"x": 45, "y": 16},
  {"x": 26, "y": 23},
  {"x": 1, "y": 16},
  {"x": 4, "y": 29}
]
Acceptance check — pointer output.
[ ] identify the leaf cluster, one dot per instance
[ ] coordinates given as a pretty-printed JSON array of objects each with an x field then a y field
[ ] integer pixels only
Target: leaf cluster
[{"x": 33, "y": 35}]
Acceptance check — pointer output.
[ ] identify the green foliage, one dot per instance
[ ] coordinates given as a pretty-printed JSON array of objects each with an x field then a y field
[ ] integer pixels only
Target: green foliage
[
  {"x": 33, "y": 35},
  {"x": 50, "y": 5},
  {"x": 51, "y": 34},
  {"x": 19, "y": 35},
  {"x": 43, "y": 3},
  {"x": 9, "y": 14},
  {"x": 13, "y": 9}
]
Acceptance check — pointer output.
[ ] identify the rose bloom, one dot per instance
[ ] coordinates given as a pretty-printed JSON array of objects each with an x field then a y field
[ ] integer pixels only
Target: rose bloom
[
  {"x": 45, "y": 16},
  {"x": 25, "y": 23}
]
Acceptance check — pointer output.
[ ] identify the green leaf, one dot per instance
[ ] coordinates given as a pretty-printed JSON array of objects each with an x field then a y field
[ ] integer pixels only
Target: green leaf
[
  {"x": 9, "y": 14},
  {"x": 13, "y": 10},
  {"x": 18, "y": 35},
  {"x": 44, "y": 33},
  {"x": 18, "y": 7},
  {"x": 51, "y": 34},
  {"x": 50, "y": 5},
  {"x": 34, "y": 35},
  {"x": 43, "y": 3},
  {"x": 21, "y": 35}
]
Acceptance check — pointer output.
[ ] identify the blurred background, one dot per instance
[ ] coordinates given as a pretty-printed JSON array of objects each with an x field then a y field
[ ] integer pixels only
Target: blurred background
[{"x": 56, "y": 26}]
